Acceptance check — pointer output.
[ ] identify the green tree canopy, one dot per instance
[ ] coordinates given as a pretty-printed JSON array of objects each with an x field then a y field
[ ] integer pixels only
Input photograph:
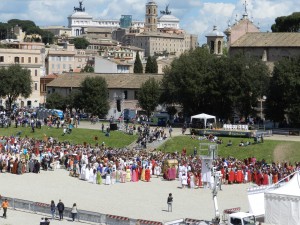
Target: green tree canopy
[
  {"x": 284, "y": 93},
  {"x": 87, "y": 69},
  {"x": 138, "y": 66},
  {"x": 148, "y": 95},
  {"x": 290, "y": 23},
  {"x": 149, "y": 65},
  {"x": 201, "y": 82},
  {"x": 16, "y": 81},
  {"x": 55, "y": 101},
  {"x": 94, "y": 96},
  {"x": 80, "y": 43}
]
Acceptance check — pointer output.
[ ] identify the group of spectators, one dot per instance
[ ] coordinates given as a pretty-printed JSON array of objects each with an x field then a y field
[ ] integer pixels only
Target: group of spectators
[{"x": 105, "y": 165}]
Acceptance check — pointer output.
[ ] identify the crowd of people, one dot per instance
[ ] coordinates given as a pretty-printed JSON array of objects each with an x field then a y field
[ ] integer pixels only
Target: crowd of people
[{"x": 104, "y": 165}]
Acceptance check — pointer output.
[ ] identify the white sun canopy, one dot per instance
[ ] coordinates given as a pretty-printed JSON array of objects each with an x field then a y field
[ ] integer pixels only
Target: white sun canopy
[
  {"x": 282, "y": 205},
  {"x": 204, "y": 117}
]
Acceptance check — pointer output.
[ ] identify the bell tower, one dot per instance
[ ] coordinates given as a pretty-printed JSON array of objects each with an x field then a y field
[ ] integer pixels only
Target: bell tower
[{"x": 151, "y": 16}]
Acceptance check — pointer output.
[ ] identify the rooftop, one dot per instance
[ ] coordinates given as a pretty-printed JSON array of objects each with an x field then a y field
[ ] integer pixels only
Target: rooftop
[
  {"x": 267, "y": 39},
  {"x": 114, "y": 81}
]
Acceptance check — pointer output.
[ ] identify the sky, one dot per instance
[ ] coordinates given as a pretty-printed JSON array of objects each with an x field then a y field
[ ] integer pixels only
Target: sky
[{"x": 196, "y": 16}]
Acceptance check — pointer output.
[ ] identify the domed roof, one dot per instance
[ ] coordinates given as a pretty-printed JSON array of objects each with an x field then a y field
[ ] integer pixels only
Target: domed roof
[
  {"x": 80, "y": 15},
  {"x": 168, "y": 18},
  {"x": 215, "y": 33}
]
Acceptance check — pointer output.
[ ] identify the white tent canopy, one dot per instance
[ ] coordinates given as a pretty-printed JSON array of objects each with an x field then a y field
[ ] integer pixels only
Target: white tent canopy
[
  {"x": 204, "y": 117},
  {"x": 282, "y": 205}
]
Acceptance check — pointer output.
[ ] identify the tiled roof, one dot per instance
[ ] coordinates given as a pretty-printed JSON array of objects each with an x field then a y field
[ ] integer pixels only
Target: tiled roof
[
  {"x": 268, "y": 39},
  {"x": 114, "y": 81}
]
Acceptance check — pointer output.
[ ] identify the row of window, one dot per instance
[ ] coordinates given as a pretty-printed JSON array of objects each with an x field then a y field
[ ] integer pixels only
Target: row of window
[
  {"x": 61, "y": 58},
  {"x": 22, "y": 59}
]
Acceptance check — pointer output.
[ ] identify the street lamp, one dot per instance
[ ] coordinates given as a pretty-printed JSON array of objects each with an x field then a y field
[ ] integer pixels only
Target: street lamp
[
  {"x": 71, "y": 72},
  {"x": 119, "y": 99},
  {"x": 261, "y": 100}
]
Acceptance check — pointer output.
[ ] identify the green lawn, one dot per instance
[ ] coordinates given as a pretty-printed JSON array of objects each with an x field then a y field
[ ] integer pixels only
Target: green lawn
[
  {"x": 269, "y": 150},
  {"x": 78, "y": 136}
]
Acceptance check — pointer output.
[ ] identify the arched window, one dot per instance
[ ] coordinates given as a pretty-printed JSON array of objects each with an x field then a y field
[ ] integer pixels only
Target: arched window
[
  {"x": 219, "y": 47},
  {"x": 212, "y": 47},
  {"x": 149, "y": 11}
]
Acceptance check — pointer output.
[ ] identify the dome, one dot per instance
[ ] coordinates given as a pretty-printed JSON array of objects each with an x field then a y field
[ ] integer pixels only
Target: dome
[
  {"x": 168, "y": 18},
  {"x": 80, "y": 15},
  {"x": 215, "y": 33}
]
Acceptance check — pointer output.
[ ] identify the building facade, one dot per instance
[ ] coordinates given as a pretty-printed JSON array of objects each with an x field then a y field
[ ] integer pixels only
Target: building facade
[
  {"x": 30, "y": 56},
  {"x": 62, "y": 59}
]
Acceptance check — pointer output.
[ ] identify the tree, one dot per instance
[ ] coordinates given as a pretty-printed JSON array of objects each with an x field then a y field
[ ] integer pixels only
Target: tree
[
  {"x": 138, "y": 66},
  {"x": 94, "y": 96},
  {"x": 80, "y": 43},
  {"x": 47, "y": 37},
  {"x": 16, "y": 82},
  {"x": 290, "y": 23},
  {"x": 284, "y": 92},
  {"x": 55, "y": 101},
  {"x": 198, "y": 80},
  {"x": 87, "y": 69},
  {"x": 149, "y": 65},
  {"x": 154, "y": 65},
  {"x": 148, "y": 95}
]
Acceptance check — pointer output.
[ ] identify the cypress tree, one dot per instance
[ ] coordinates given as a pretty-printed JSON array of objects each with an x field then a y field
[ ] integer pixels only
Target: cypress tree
[
  {"x": 138, "y": 66},
  {"x": 149, "y": 65},
  {"x": 154, "y": 65}
]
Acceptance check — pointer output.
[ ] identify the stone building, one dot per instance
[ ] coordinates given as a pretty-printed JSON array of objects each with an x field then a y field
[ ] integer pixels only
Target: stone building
[
  {"x": 125, "y": 85},
  {"x": 28, "y": 55}
]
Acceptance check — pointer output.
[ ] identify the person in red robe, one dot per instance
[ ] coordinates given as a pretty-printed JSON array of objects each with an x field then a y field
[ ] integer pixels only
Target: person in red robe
[
  {"x": 259, "y": 178},
  {"x": 147, "y": 174},
  {"x": 265, "y": 179},
  {"x": 231, "y": 176},
  {"x": 239, "y": 176}
]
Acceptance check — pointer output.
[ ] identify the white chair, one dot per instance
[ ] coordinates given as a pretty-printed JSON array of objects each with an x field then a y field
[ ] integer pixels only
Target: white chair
[
  {"x": 239, "y": 127},
  {"x": 234, "y": 127}
]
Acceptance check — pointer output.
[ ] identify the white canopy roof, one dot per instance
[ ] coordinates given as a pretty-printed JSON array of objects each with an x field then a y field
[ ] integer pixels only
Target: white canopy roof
[
  {"x": 203, "y": 116},
  {"x": 282, "y": 205}
]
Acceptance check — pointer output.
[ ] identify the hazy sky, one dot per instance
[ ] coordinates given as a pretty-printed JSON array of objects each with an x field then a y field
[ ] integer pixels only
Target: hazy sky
[{"x": 196, "y": 16}]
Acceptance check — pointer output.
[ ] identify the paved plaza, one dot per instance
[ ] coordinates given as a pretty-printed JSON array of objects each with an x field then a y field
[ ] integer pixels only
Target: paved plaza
[{"x": 138, "y": 200}]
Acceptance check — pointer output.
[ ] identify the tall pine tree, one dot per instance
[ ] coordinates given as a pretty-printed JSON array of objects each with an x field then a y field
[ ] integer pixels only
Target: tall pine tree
[{"x": 138, "y": 66}]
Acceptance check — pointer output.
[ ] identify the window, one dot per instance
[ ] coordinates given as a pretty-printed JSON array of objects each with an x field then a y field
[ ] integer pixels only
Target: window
[
  {"x": 1, "y": 58},
  {"x": 36, "y": 59},
  {"x": 35, "y": 72},
  {"x": 125, "y": 95},
  {"x": 135, "y": 95},
  {"x": 17, "y": 60},
  {"x": 35, "y": 86},
  {"x": 22, "y": 60},
  {"x": 29, "y": 59}
]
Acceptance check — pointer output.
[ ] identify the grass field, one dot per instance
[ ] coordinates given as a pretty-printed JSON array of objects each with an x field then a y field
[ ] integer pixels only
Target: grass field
[
  {"x": 78, "y": 136},
  {"x": 269, "y": 150}
]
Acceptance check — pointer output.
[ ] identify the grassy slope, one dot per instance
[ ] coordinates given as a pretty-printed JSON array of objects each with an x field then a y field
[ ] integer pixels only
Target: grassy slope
[
  {"x": 260, "y": 151},
  {"x": 78, "y": 136}
]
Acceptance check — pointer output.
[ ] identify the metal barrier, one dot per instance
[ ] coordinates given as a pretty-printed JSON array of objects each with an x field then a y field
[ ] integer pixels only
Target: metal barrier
[{"x": 86, "y": 216}]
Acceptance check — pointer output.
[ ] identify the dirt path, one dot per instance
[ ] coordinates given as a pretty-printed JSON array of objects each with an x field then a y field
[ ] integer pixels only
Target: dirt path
[{"x": 281, "y": 152}]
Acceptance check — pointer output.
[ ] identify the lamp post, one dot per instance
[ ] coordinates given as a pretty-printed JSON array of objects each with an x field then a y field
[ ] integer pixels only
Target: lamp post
[
  {"x": 261, "y": 100},
  {"x": 119, "y": 99},
  {"x": 71, "y": 73}
]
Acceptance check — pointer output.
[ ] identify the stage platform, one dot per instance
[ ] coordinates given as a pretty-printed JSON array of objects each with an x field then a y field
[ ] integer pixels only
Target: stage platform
[{"x": 224, "y": 133}]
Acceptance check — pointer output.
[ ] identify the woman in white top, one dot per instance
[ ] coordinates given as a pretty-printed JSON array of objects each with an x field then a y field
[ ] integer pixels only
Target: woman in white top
[{"x": 74, "y": 211}]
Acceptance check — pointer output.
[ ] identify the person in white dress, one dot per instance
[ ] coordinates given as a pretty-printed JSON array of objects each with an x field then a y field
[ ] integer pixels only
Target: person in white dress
[
  {"x": 183, "y": 180},
  {"x": 91, "y": 175},
  {"x": 87, "y": 173},
  {"x": 82, "y": 172}
]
